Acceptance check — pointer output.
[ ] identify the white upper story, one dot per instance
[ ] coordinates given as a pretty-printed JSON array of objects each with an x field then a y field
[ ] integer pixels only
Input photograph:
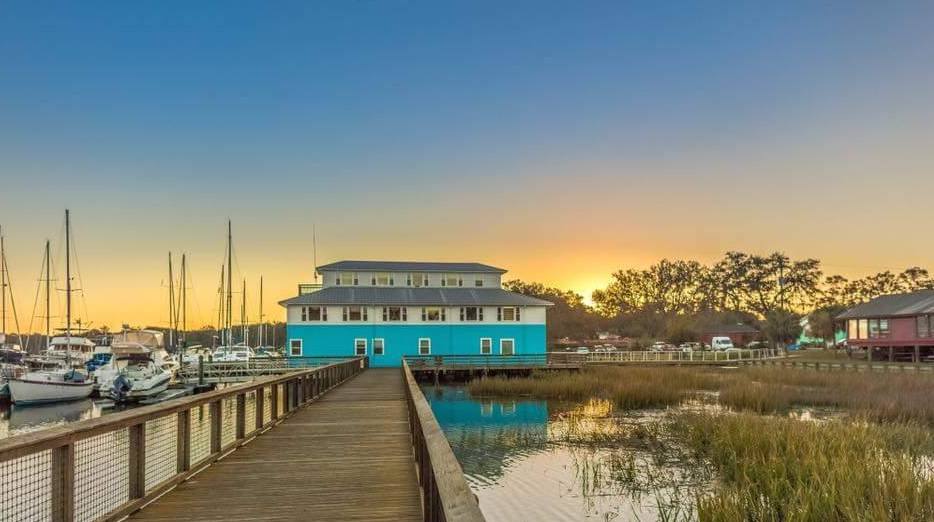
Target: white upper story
[
  {"x": 410, "y": 274},
  {"x": 376, "y": 292}
]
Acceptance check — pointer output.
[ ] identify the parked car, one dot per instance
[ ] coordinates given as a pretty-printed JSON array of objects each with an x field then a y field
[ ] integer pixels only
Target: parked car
[
  {"x": 721, "y": 343},
  {"x": 757, "y": 345},
  {"x": 582, "y": 349},
  {"x": 690, "y": 347},
  {"x": 658, "y": 346}
]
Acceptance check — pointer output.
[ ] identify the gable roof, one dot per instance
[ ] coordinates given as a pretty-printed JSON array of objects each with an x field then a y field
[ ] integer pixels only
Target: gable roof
[
  {"x": 410, "y": 266},
  {"x": 368, "y": 295},
  {"x": 893, "y": 305}
]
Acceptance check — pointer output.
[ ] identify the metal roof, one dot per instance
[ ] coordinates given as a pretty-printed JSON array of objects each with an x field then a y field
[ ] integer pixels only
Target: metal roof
[
  {"x": 410, "y": 266},
  {"x": 893, "y": 305},
  {"x": 343, "y": 295}
]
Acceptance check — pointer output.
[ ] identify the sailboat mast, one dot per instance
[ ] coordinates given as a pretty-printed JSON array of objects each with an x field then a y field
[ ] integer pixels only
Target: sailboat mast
[
  {"x": 3, "y": 282},
  {"x": 262, "y": 325},
  {"x": 229, "y": 284},
  {"x": 184, "y": 291},
  {"x": 171, "y": 303},
  {"x": 48, "y": 294},
  {"x": 68, "y": 276},
  {"x": 243, "y": 327},
  {"x": 220, "y": 305}
]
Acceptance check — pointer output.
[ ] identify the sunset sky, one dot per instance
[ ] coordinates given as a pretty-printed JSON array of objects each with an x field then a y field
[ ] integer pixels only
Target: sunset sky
[{"x": 561, "y": 141}]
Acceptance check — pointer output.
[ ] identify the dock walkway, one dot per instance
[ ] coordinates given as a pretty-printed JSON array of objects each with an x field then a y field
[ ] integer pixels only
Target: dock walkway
[{"x": 346, "y": 456}]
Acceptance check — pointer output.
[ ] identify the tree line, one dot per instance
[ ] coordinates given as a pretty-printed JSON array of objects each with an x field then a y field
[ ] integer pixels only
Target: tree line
[{"x": 679, "y": 298}]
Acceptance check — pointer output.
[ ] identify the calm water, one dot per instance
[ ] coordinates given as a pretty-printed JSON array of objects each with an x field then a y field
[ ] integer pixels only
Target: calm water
[
  {"x": 15, "y": 420},
  {"x": 525, "y": 459}
]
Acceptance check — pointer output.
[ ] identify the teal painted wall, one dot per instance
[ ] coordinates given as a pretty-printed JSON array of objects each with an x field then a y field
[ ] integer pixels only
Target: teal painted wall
[{"x": 400, "y": 340}]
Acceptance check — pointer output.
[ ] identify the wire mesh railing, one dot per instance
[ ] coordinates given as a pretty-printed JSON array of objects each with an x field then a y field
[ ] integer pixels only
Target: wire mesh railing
[{"x": 108, "y": 467}]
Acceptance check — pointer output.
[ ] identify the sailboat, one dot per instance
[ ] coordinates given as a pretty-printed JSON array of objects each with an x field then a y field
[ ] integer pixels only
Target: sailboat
[
  {"x": 11, "y": 354},
  {"x": 64, "y": 383},
  {"x": 230, "y": 351}
]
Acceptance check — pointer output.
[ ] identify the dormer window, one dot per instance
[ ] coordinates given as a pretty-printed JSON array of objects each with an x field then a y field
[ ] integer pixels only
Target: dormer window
[
  {"x": 417, "y": 280},
  {"x": 507, "y": 313},
  {"x": 347, "y": 279},
  {"x": 382, "y": 279},
  {"x": 451, "y": 280}
]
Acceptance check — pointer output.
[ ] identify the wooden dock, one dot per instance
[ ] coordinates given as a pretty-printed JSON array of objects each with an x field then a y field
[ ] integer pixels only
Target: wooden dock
[{"x": 347, "y": 456}]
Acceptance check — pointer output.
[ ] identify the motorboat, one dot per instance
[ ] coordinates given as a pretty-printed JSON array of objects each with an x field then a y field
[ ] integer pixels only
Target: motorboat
[
  {"x": 64, "y": 384},
  {"x": 69, "y": 350},
  {"x": 236, "y": 353},
  {"x": 134, "y": 377},
  {"x": 151, "y": 340},
  {"x": 192, "y": 354},
  {"x": 267, "y": 352}
]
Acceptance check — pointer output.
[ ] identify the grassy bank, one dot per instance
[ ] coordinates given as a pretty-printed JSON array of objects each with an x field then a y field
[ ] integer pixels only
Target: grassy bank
[
  {"x": 875, "y": 396},
  {"x": 628, "y": 388},
  {"x": 779, "y": 469}
]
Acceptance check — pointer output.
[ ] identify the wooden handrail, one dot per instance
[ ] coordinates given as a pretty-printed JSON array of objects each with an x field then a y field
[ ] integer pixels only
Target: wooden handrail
[
  {"x": 446, "y": 496},
  {"x": 21, "y": 457}
]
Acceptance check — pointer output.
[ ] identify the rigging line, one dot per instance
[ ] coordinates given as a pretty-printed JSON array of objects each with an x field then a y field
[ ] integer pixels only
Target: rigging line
[
  {"x": 35, "y": 303},
  {"x": 9, "y": 284},
  {"x": 194, "y": 291},
  {"x": 84, "y": 302}
]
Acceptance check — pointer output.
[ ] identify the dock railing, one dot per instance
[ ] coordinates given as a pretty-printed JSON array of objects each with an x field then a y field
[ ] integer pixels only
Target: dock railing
[
  {"x": 473, "y": 362},
  {"x": 446, "y": 497},
  {"x": 111, "y": 466},
  {"x": 708, "y": 356}
]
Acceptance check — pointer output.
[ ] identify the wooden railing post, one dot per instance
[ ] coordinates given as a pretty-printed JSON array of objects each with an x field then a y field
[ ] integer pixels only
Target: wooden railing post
[
  {"x": 183, "y": 441},
  {"x": 274, "y": 402},
  {"x": 137, "y": 461},
  {"x": 63, "y": 483},
  {"x": 260, "y": 406},
  {"x": 216, "y": 423},
  {"x": 241, "y": 416}
]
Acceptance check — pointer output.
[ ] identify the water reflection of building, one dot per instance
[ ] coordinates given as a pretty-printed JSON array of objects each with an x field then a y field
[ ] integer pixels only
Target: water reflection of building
[{"x": 486, "y": 434}]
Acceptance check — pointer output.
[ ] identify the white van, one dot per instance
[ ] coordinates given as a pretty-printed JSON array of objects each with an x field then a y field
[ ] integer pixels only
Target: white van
[{"x": 721, "y": 343}]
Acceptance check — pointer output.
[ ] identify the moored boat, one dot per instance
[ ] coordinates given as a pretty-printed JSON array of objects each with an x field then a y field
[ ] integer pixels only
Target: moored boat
[
  {"x": 50, "y": 386},
  {"x": 135, "y": 377}
]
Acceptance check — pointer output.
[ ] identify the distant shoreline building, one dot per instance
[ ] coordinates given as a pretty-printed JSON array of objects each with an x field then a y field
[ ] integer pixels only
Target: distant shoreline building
[
  {"x": 899, "y": 324},
  {"x": 389, "y": 309}
]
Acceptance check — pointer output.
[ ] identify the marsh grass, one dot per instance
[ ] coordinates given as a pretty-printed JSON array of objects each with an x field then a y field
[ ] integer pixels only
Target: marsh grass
[
  {"x": 778, "y": 469},
  {"x": 879, "y": 397},
  {"x": 626, "y": 388}
]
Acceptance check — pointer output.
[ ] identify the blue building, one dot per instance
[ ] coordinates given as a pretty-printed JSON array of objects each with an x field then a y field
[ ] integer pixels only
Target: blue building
[{"x": 387, "y": 310}]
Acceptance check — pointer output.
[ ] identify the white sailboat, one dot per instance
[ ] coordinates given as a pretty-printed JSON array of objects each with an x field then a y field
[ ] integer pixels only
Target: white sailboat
[
  {"x": 11, "y": 354},
  {"x": 61, "y": 384}
]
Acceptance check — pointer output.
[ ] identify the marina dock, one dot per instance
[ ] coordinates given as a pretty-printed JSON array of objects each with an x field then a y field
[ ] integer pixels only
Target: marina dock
[{"x": 336, "y": 442}]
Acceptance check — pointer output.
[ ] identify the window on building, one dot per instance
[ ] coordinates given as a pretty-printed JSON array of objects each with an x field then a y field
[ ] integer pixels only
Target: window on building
[
  {"x": 359, "y": 346},
  {"x": 923, "y": 325},
  {"x": 878, "y": 328},
  {"x": 378, "y": 346},
  {"x": 478, "y": 282},
  {"x": 433, "y": 313},
  {"x": 295, "y": 347},
  {"x": 852, "y": 331},
  {"x": 382, "y": 279},
  {"x": 451, "y": 280},
  {"x": 507, "y": 313},
  {"x": 864, "y": 328},
  {"x": 354, "y": 313},
  {"x": 347, "y": 279},
  {"x": 314, "y": 313},
  {"x": 471, "y": 313},
  {"x": 417, "y": 280},
  {"x": 507, "y": 347},
  {"x": 424, "y": 346},
  {"x": 486, "y": 346},
  {"x": 884, "y": 328},
  {"x": 394, "y": 313}
]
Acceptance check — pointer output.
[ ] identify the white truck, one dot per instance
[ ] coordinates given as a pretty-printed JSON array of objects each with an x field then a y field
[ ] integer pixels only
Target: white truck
[{"x": 721, "y": 343}]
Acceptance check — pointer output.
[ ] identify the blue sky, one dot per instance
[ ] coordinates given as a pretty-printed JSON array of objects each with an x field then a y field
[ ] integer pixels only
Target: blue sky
[{"x": 535, "y": 135}]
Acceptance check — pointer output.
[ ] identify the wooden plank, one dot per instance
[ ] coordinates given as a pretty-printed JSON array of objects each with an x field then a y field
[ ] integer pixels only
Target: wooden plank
[{"x": 346, "y": 456}]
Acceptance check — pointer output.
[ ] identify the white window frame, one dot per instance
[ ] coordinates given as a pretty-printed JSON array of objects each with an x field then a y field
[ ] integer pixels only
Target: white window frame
[
  {"x": 442, "y": 314},
  {"x": 478, "y": 282},
  {"x": 490, "y": 351},
  {"x": 513, "y": 341},
  {"x": 420, "y": 339},
  {"x": 356, "y": 344},
  {"x": 501, "y": 315},
  {"x": 353, "y": 279},
  {"x": 382, "y": 347},
  {"x": 322, "y": 314},
  {"x": 292, "y": 347},
  {"x": 459, "y": 280},
  {"x": 403, "y": 314},
  {"x": 363, "y": 314}
]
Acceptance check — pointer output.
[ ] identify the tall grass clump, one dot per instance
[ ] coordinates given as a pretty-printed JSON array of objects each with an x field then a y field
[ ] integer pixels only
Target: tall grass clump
[
  {"x": 778, "y": 469},
  {"x": 880, "y": 397},
  {"x": 626, "y": 388}
]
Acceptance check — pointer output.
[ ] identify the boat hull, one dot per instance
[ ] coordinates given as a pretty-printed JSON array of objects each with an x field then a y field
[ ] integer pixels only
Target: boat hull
[
  {"x": 143, "y": 393},
  {"x": 23, "y": 391}
]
